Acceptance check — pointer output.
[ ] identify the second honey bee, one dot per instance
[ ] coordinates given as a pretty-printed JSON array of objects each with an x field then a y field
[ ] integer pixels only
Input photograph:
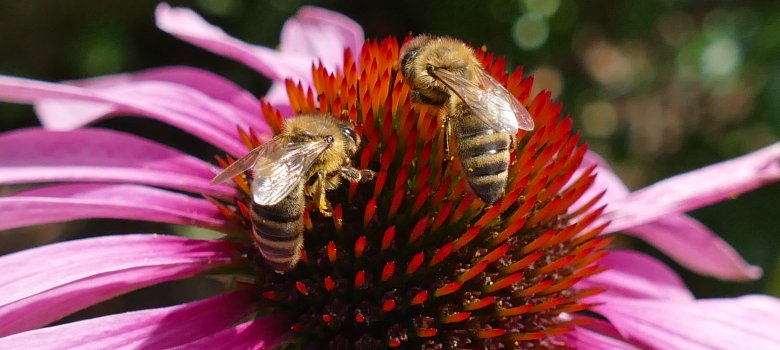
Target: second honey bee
[
  {"x": 484, "y": 116},
  {"x": 308, "y": 158}
]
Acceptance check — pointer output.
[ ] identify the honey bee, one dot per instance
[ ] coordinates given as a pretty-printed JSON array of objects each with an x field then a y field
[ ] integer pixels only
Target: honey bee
[
  {"x": 308, "y": 158},
  {"x": 444, "y": 72}
]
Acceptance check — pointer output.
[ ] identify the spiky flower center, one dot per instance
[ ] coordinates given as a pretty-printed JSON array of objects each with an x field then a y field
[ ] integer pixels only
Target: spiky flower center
[{"x": 414, "y": 260}]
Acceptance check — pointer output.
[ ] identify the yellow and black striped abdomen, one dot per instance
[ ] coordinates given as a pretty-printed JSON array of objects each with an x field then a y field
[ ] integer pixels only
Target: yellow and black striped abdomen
[
  {"x": 278, "y": 230},
  {"x": 484, "y": 155}
]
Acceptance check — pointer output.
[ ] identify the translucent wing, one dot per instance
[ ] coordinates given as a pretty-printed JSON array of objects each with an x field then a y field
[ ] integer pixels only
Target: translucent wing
[
  {"x": 280, "y": 167},
  {"x": 489, "y": 100},
  {"x": 239, "y": 166}
]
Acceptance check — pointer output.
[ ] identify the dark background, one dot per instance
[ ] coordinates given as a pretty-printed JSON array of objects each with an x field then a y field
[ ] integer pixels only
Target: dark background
[{"x": 657, "y": 87}]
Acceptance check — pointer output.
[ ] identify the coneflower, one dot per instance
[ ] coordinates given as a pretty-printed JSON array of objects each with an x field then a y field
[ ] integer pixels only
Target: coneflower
[
  {"x": 415, "y": 260},
  {"x": 410, "y": 260}
]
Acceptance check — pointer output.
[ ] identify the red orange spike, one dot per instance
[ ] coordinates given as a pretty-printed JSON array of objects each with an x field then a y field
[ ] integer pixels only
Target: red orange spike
[
  {"x": 426, "y": 332},
  {"x": 369, "y": 213},
  {"x": 474, "y": 271},
  {"x": 441, "y": 216},
  {"x": 441, "y": 254},
  {"x": 507, "y": 232},
  {"x": 388, "y": 305},
  {"x": 422, "y": 196},
  {"x": 270, "y": 295},
  {"x": 514, "y": 311},
  {"x": 395, "y": 203},
  {"x": 329, "y": 283},
  {"x": 503, "y": 283},
  {"x": 496, "y": 254},
  {"x": 415, "y": 263},
  {"x": 418, "y": 229},
  {"x": 338, "y": 213},
  {"x": 447, "y": 289},
  {"x": 419, "y": 298},
  {"x": 489, "y": 333},
  {"x": 522, "y": 263},
  {"x": 387, "y": 238},
  {"x": 466, "y": 238},
  {"x": 533, "y": 290},
  {"x": 360, "y": 246},
  {"x": 301, "y": 288},
  {"x": 360, "y": 279},
  {"x": 332, "y": 251},
  {"x": 479, "y": 304},
  {"x": 455, "y": 317},
  {"x": 387, "y": 271}
]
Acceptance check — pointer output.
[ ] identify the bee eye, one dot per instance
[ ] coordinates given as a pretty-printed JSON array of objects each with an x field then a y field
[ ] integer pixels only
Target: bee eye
[
  {"x": 351, "y": 134},
  {"x": 408, "y": 57}
]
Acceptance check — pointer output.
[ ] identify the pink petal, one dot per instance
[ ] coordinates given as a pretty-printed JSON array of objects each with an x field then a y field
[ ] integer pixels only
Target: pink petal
[
  {"x": 697, "y": 188},
  {"x": 606, "y": 180},
  {"x": 680, "y": 237},
  {"x": 585, "y": 339},
  {"x": 313, "y": 35},
  {"x": 635, "y": 275},
  {"x": 35, "y": 155},
  {"x": 188, "y": 109},
  {"x": 321, "y": 35},
  {"x": 749, "y": 322},
  {"x": 189, "y": 26},
  {"x": 694, "y": 246},
  {"x": 237, "y": 105},
  {"x": 44, "y": 284},
  {"x": 148, "y": 329},
  {"x": 263, "y": 333},
  {"x": 85, "y": 201}
]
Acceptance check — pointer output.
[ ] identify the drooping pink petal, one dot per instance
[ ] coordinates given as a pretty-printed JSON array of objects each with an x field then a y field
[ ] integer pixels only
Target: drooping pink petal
[
  {"x": 321, "y": 35},
  {"x": 677, "y": 235},
  {"x": 237, "y": 106},
  {"x": 189, "y": 26},
  {"x": 85, "y": 201},
  {"x": 36, "y": 155},
  {"x": 748, "y": 322},
  {"x": 263, "y": 333},
  {"x": 697, "y": 188},
  {"x": 187, "y": 109},
  {"x": 635, "y": 275},
  {"x": 694, "y": 246},
  {"x": 44, "y": 284},
  {"x": 161, "y": 328},
  {"x": 312, "y": 36}
]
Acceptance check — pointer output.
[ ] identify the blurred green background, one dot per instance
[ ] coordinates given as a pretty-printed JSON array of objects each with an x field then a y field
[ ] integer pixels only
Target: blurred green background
[{"x": 657, "y": 87}]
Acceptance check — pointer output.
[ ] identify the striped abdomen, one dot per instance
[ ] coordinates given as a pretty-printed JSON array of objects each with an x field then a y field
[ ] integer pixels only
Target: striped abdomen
[
  {"x": 484, "y": 155},
  {"x": 278, "y": 230}
]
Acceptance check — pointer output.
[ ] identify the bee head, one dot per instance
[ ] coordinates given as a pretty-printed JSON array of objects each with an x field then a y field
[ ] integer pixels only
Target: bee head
[{"x": 422, "y": 56}]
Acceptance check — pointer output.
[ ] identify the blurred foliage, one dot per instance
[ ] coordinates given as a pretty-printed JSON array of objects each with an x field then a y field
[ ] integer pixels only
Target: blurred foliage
[{"x": 657, "y": 87}]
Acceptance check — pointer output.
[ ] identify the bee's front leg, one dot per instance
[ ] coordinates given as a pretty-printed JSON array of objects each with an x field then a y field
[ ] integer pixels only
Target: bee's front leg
[
  {"x": 357, "y": 175},
  {"x": 319, "y": 195},
  {"x": 447, "y": 137}
]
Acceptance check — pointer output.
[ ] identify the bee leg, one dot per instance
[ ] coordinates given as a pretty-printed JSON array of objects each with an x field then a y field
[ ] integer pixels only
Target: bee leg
[
  {"x": 447, "y": 137},
  {"x": 319, "y": 195},
  {"x": 357, "y": 175}
]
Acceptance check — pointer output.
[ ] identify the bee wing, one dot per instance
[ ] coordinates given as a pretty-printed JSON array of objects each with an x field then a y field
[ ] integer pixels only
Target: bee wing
[
  {"x": 281, "y": 166},
  {"x": 239, "y": 166},
  {"x": 490, "y": 101}
]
